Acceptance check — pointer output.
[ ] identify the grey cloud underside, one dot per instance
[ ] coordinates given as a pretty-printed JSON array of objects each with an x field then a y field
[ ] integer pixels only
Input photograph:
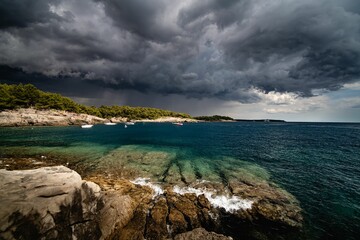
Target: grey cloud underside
[
  {"x": 209, "y": 48},
  {"x": 21, "y": 13}
]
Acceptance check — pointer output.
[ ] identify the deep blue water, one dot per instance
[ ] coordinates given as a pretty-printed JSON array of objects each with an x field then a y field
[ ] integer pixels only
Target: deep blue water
[{"x": 319, "y": 163}]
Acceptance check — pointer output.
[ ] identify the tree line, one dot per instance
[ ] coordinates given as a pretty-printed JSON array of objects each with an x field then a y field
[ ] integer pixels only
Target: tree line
[
  {"x": 26, "y": 96},
  {"x": 215, "y": 118}
]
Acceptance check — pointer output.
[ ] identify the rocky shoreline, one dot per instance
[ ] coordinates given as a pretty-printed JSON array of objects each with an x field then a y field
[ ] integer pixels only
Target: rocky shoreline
[
  {"x": 32, "y": 117},
  {"x": 55, "y": 202}
]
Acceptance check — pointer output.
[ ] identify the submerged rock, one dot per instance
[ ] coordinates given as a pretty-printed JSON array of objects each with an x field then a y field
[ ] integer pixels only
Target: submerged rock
[{"x": 134, "y": 161}]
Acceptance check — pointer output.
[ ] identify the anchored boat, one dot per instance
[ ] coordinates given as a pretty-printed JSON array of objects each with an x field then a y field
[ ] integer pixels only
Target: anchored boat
[{"x": 87, "y": 126}]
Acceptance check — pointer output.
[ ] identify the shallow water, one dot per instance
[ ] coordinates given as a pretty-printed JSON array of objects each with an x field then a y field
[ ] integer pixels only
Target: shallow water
[{"x": 318, "y": 163}]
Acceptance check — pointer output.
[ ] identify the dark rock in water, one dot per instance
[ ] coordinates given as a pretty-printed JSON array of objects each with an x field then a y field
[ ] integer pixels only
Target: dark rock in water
[
  {"x": 204, "y": 202},
  {"x": 270, "y": 204},
  {"x": 201, "y": 234}
]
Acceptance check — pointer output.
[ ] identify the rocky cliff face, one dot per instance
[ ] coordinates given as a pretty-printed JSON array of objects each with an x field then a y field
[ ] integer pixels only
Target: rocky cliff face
[{"x": 55, "y": 203}]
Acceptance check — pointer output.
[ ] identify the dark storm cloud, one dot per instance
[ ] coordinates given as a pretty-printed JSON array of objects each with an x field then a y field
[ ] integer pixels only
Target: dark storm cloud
[
  {"x": 209, "y": 48},
  {"x": 144, "y": 18},
  {"x": 67, "y": 86},
  {"x": 20, "y": 13},
  {"x": 322, "y": 40}
]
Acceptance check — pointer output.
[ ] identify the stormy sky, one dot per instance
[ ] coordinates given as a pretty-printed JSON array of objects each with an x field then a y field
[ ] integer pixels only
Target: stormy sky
[{"x": 288, "y": 59}]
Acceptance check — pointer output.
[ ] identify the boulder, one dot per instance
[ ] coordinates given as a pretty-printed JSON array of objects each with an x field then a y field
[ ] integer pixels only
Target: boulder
[
  {"x": 55, "y": 203},
  {"x": 135, "y": 229},
  {"x": 201, "y": 234},
  {"x": 156, "y": 223},
  {"x": 118, "y": 210},
  {"x": 177, "y": 221},
  {"x": 187, "y": 207},
  {"x": 50, "y": 202}
]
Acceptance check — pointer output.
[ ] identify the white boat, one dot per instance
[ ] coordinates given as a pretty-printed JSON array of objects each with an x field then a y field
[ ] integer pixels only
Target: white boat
[
  {"x": 125, "y": 126},
  {"x": 110, "y": 124},
  {"x": 87, "y": 126},
  {"x": 130, "y": 123},
  {"x": 178, "y": 123}
]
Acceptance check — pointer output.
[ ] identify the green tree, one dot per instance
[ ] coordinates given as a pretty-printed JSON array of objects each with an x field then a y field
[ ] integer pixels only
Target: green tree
[{"x": 17, "y": 96}]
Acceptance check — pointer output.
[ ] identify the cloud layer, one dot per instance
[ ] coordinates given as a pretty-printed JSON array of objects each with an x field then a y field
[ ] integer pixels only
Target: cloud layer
[{"x": 229, "y": 49}]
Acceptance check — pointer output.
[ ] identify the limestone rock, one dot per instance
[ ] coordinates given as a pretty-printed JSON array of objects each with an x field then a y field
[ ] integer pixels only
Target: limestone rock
[
  {"x": 186, "y": 207},
  {"x": 177, "y": 221},
  {"x": 201, "y": 234},
  {"x": 270, "y": 203},
  {"x": 33, "y": 117},
  {"x": 118, "y": 210},
  {"x": 54, "y": 202},
  {"x": 204, "y": 202},
  {"x": 50, "y": 202},
  {"x": 156, "y": 224},
  {"x": 135, "y": 229}
]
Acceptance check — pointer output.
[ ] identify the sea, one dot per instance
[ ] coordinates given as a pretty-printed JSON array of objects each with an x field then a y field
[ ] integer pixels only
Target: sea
[{"x": 318, "y": 163}]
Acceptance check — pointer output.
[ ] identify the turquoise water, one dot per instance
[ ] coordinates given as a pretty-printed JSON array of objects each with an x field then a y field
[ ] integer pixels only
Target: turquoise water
[{"x": 318, "y": 163}]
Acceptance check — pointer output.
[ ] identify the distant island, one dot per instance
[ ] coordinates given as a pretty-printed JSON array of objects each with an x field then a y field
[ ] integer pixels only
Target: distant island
[
  {"x": 259, "y": 120},
  {"x": 215, "y": 118}
]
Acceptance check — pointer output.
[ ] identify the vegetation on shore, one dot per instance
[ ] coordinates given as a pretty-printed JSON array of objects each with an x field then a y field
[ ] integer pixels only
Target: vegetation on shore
[
  {"x": 26, "y": 96},
  {"x": 215, "y": 118}
]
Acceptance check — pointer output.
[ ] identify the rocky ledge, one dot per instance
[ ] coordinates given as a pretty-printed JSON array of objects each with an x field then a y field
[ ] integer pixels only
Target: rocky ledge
[
  {"x": 33, "y": 117},
  {"x": 55, "y": 203}
]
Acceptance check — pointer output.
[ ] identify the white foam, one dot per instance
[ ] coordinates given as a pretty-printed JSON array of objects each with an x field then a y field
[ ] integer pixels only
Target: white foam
[
  {"x": 146, "y": 182},
  {"x": 169, "y": 229},
  {"x": 230, "y": 204}
]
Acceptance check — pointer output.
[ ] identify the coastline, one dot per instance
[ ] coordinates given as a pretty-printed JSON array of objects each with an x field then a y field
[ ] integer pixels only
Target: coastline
[
  {"x": 144, "y": 208},
  {"x": 167, "y": 119},
  {"x": 32, "y": 117}
]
